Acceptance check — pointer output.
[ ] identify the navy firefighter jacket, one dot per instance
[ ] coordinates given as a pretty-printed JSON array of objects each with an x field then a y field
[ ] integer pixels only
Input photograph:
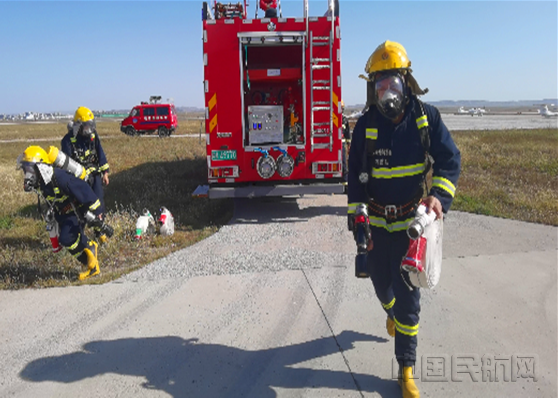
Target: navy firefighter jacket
[
  {"x": 398, "y": 162},
  {"x": 88, "y": 152},
  {"x": 65, "y": 189}
]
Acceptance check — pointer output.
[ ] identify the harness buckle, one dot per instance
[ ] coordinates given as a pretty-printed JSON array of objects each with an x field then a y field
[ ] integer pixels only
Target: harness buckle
[{"x": 390, "y": 211}]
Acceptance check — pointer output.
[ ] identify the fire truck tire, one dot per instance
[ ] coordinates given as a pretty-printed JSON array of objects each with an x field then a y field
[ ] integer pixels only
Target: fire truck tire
[
  {"x": 163, "y": 132},
  {"x": 130, "y": 131}
]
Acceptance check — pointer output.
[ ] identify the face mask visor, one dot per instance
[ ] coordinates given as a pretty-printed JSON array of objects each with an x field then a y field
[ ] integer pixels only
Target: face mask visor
[
  {"x": 85, "y": 129},
  {"x": 390, "y": 95},
  {"x": 30, "y": 179}
]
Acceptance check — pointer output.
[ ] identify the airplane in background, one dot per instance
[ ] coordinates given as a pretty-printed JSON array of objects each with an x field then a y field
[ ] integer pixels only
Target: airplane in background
[
  {"x": 545, "y": 112},
  {"x": 354, "y": 115},
  {"x": 472, "y": 111},
  {"x": 476, "y": 111}
]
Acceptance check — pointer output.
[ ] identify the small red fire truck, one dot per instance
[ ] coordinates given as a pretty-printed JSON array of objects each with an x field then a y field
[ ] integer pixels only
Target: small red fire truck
[{"x": 272, "y": 102}]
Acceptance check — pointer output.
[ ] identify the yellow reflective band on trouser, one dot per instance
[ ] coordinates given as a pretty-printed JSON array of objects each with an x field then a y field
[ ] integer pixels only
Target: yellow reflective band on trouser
[
  {"x": 76, "y": 243},
  {"x": 55, "y": 199},
  {"x": 95, "y": 205},
  {"x": 406, "y": 329},
  {"x": 389, "y": 305},
  {"x": 398, "y": 172},
  {"x": 444, "y": 184},
  {"x": 104, "y": 167},
  {"x": 352, "y": 207},
  {"x": 372, "y": 134},
  {"x": 422, "y": 122},
  {"x": 390, "y": 227},
  {"x": 87, "y": 153}
]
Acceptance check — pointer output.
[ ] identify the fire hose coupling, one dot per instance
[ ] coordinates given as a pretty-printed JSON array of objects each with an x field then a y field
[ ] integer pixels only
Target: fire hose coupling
[
  {"x": 266, "y": 165},
  {"x": 414, "y": 259},
  {"x": 362, "y": 235},
  {"x": 285, "y": 163},
  {"x": 421, "y": 221},
  {"x": 98, "y": 224}
]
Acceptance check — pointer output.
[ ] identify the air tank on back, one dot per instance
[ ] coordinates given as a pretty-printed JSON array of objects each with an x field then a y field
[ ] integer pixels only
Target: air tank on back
[{"x": 61, "y": 160}]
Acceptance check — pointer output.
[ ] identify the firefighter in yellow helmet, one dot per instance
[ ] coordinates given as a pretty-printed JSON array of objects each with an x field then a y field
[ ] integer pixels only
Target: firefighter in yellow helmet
[
  {"x": 82, "y": 143},
  {"x": 395, "y": 143},
  {"x": 70, "y": 201}
]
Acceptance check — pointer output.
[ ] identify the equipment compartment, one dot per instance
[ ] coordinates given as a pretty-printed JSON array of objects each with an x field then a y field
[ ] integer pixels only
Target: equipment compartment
[{"x": 273, "y": 78}]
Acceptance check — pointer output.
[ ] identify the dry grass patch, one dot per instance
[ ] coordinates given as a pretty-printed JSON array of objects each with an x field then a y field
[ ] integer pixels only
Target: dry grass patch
[
  {"x": 511, "y": 174},
  {"x": 145, "y": 173}
]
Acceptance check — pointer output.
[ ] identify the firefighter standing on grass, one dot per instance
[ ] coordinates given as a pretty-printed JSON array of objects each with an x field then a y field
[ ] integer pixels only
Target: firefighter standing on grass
[
  {"x": 66, "y": 196},
  {"x": 394, "y": 144},
  {"x": 82, "y": 144}
]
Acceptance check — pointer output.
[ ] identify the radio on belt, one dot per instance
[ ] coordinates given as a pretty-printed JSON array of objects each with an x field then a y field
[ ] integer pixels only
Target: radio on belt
[{"x": 266, "y": 124}]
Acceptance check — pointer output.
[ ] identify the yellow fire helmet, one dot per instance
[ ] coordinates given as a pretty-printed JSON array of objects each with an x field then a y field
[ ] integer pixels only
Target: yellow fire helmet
[
  {"x": 35, "y": 154},
  {"x": 388, "y": 56},
  {"x": 83, "y": 115}
]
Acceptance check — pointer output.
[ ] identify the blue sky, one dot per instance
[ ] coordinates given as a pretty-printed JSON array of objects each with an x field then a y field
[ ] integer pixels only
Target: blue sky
[{"x": 56, "y": 56}]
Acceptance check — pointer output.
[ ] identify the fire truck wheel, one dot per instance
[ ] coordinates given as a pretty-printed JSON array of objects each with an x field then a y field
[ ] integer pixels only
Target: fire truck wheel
[
  {"x": 163, "y": 132},
  {"x": 130, "y": 131}
]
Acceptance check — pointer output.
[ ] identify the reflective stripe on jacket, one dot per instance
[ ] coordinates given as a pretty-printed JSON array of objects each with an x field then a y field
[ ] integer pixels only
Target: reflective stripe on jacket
[{"x": 399, "y": 159}]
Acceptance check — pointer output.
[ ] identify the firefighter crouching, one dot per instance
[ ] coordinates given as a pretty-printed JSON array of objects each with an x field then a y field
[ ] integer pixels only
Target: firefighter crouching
[
  {"x": 394, "y": 145},
  {"x": 70, "y": 200},
  {"x": 82, "y": 144}
]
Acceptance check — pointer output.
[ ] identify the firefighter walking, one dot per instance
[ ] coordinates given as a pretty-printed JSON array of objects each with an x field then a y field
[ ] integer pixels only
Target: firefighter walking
[
  {"x": 394, "y": 145},
  {"x": 69, "y": 200},
  {"x": 82, "y": 144}
]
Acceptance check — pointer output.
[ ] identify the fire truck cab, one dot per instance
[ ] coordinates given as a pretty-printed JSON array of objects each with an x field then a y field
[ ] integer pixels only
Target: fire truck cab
[{"x": 272, "y": 102}]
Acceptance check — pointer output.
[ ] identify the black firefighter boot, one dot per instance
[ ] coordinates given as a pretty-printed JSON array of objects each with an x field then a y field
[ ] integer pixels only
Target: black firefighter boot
[{"x": 89, "y": 258}]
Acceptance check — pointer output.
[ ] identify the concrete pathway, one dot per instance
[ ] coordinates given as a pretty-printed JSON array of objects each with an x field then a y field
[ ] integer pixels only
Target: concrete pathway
[{"x": 308, "y": 329}]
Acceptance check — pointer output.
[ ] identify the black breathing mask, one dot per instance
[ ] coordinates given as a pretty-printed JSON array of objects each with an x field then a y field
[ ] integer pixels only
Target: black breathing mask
[
  {"x": 85, "y": 129},
  {"x": 390, "y": 93},
  {"x": 31, "y": 176}
]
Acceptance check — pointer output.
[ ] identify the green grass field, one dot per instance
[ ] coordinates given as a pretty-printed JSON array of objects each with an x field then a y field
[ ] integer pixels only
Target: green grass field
[{"x": 511, "y": 174}]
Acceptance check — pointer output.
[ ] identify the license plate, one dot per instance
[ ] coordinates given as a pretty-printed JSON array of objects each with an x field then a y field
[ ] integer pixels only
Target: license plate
[{"x": 223, "y": 155}]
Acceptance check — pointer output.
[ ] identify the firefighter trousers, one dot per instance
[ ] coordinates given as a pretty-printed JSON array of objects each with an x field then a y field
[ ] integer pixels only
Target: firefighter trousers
[
  {"x": 72, "y": 236},
  {"x": 400, "y": 302}
]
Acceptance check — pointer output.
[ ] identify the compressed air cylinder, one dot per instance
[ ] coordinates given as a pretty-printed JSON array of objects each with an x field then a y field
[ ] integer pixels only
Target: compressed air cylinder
[{"x": 63, "y": 161}]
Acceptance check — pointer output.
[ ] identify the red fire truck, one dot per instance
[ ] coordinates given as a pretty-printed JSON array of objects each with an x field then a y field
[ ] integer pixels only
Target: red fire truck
[{"x": 272, "y": 102}]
